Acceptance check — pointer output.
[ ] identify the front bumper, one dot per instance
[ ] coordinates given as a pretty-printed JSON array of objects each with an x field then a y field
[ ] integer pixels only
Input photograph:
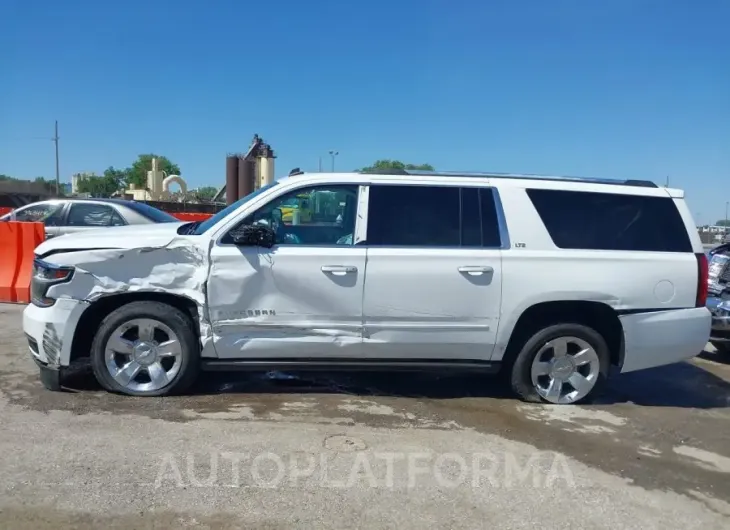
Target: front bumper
[
  {"x": 50, "y": 331},
  {"x": 720, "y": 309}
]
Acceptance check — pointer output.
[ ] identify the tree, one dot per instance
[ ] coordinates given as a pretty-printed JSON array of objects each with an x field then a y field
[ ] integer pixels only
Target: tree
[
  {"x": 137, "y": 174},
  {"x": 105, "y": 185},
  {"x": 49, "y": 184},
  {"x": 722, "y": 222},
  {"x": 118, "y": 177},
  {"x": 385, "y": 165},
  {"x": 204, "y": 194}
]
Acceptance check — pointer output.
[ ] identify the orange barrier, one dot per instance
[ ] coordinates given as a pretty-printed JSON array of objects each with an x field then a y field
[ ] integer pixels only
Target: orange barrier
[
  {"x": 17, "y": 243},
  {"x": 4, "y": 210},
  {"x": 191, "y": 216}
]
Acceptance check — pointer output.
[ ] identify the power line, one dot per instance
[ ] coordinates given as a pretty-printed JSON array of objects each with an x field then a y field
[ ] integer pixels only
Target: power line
[{"x": 58, "y": 173}]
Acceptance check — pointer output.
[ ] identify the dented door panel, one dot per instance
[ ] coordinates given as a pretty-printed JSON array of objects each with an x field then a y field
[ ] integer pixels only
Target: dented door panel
[{"x": 289, "y": 301}]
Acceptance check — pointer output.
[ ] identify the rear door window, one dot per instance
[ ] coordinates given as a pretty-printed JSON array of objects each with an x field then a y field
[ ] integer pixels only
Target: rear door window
[
  {"x": 609, "y": 221},
  {"x": 90, "y": 215},
  {"x": 432, "y": 216}
]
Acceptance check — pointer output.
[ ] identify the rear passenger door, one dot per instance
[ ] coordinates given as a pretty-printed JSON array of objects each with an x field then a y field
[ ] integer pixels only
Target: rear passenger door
[{"x": 434, "y": 272}]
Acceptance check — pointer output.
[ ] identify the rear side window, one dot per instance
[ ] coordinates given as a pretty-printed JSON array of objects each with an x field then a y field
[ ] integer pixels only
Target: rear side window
[
  {"x": 608, "y": 221},
  {"x": 432, "y": 216}
]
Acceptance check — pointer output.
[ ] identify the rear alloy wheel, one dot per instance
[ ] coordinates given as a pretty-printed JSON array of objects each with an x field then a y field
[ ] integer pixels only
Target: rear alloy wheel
[
  {"x": 146, "y": 349},
  {"x": 561, "y": 364}
]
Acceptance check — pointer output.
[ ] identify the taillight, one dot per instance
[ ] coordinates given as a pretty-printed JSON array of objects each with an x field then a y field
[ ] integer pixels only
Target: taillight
[{"x": 702, "y": 278}]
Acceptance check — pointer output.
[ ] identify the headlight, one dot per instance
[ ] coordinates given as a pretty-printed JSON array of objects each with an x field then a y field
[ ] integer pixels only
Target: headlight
[{"x": 45, "y": 275}]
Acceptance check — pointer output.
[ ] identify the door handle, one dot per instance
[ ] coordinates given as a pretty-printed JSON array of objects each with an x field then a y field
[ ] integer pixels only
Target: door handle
[
  {"x": 474, "y": 270},
  {"x": 338, "y": 270}
]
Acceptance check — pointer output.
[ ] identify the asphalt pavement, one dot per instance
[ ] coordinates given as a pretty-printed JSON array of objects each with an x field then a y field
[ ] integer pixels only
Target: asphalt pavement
[{"x": 362, "y": 451}]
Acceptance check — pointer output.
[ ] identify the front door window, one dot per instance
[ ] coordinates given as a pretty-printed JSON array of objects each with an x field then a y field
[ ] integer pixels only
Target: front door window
[
  {"x": 319, "y": 215},
  {"x": 47, "y": 213}
]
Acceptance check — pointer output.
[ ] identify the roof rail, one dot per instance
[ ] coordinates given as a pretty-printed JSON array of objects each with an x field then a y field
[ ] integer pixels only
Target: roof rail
[
  {"x": 388, "y": 171},
  {"x": 418, "y": 172}
]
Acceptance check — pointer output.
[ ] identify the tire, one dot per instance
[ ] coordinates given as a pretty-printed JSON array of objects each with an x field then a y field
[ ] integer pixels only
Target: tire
[
  {"x": 148, "y": 349},
  {"x": 521, "y": 371}
]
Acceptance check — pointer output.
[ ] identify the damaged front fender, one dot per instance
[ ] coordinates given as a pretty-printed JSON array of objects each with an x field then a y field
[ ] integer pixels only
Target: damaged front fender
[{"x": 179, "y": 267}]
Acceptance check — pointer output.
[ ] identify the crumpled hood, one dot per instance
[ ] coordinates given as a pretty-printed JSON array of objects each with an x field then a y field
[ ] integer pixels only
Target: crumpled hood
[
  {"x": 122, "y": 237},
  {"x": 152, "y": 258}
]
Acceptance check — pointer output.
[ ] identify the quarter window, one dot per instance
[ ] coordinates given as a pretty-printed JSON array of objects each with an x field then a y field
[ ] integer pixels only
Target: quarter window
[{"x": 609, "y": 221}]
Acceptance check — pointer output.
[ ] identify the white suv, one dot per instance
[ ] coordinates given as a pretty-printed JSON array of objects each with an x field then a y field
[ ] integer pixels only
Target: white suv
[{"x": 551, "y": 280}]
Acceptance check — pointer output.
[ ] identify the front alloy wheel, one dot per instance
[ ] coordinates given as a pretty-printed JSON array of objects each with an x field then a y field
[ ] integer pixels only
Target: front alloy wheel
[
  {"x": 143, "y": 355},
  {"x": 146, "y": 349}
]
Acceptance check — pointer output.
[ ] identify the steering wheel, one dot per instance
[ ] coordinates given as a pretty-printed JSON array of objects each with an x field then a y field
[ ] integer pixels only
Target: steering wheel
[
  {"x": 274, "y": 220},
  {"x": 284, "y": 237}
]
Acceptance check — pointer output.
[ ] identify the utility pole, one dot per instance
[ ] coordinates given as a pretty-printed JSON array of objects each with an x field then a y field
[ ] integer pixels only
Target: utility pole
[
  {"x": 667, "y": 183},
  {"x": 726, "y": 205},
  {"x": 58, "y": 173},
  {"x": 333, "y": 154},
  {"x": 320, "y": 164}
]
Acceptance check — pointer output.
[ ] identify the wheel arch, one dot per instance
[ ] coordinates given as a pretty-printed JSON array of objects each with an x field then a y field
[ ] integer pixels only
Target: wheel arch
[
  {"x": 98, "y": 310},
  {"x": 597, "y": 315}
]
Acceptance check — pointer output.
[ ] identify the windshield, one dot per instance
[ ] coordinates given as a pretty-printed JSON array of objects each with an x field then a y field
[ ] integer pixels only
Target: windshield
[
  {"x": 209, "y": 223},
  {"x": 152, "y": 213}
]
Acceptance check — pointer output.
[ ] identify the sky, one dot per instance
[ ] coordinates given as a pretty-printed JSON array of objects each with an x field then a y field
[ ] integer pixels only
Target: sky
[{"x": 601, "y": 88}]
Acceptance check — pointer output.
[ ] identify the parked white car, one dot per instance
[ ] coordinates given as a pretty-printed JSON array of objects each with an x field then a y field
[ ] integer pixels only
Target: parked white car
[
  {"x": 552, "y": 281},
  {"x": 71, "y": 215}
]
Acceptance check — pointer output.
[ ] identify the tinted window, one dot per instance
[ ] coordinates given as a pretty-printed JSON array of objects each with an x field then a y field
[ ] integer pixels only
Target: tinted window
[
  {"x": 418, "y": 216},
  {"x": 90, "y": 215},
  {"x": 490, "y": 222},
  {"x": 607, "y": 221},
  {"x": 432, "y": 216},
  {"x": 152, "y": 213},
  {"x": 471, "y": 224}
]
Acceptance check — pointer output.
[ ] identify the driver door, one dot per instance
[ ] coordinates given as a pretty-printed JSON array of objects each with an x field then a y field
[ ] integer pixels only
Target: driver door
[{"x": 303, "y": 297}]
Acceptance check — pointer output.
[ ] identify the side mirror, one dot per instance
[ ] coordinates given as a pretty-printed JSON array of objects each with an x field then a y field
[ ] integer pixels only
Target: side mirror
[{"x": 254, "y": 236}]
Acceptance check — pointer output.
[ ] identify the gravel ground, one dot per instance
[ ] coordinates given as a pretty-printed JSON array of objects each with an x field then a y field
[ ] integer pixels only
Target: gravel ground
[{"x": 342, "y": 451}]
